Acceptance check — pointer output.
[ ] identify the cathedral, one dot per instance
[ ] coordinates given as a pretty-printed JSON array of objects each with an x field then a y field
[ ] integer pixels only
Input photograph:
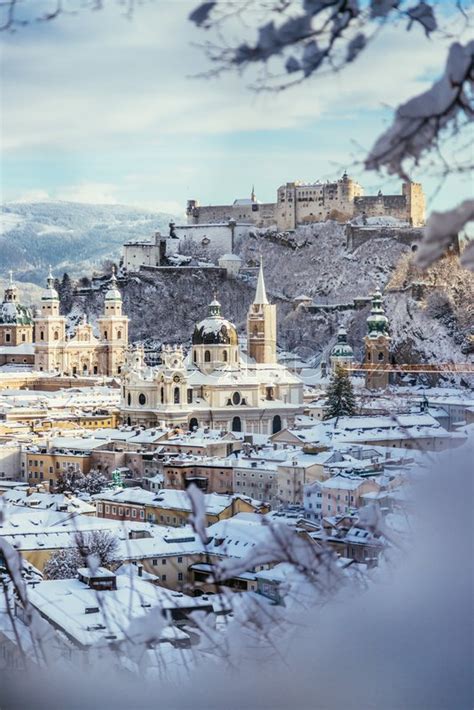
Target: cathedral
[
  {"x": 42, "y": 342},
  {"x": 216, "y": 385}
]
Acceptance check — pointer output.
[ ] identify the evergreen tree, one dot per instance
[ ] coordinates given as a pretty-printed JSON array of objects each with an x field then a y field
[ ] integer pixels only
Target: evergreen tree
[{"x": 340, "y": 401}]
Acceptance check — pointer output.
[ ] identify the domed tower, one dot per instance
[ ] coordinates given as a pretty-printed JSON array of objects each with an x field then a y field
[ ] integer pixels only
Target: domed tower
[
  {"x": 50, "y": 330},
  {"x": 113, "y": 328},
  {"x": 341, "y": 352},
  {"x": 261, "y": 325},
  {"x": 215, "y": 341},
  {"x": 377, "y": 344},
  {"x": 16, "y": 321}
]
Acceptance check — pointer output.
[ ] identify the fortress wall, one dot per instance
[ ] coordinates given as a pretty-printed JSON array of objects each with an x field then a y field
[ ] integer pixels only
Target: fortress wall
[{"x": 355, "y": 236}]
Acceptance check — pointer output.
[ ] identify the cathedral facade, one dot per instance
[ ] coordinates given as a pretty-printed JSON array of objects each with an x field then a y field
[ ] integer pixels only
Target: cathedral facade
[
  {"x": 84, "y": 353},
  {"x": 41, "y": 342},
  {"x": 215, "y": 384}
]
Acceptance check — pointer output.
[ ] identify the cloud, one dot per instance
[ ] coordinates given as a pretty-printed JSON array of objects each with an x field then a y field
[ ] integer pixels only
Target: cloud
[{"x": 131, "y": 81}]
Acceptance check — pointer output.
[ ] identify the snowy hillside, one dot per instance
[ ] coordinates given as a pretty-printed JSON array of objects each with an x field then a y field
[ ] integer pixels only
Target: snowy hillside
[
  {"x": 72, "y": 237},
  {"x": 165, "y": 306}
]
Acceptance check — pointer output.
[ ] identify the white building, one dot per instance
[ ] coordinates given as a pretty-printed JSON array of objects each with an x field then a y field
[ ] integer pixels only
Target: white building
[{"x": 215, "y": 385}]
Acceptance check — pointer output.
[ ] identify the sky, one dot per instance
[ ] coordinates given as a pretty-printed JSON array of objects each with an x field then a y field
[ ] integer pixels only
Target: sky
[{"x": 103, "y": 109}]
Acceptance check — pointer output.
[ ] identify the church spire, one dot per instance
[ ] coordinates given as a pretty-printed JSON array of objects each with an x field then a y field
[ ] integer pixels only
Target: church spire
[
  {"x": 260, "y": 294},
  {"x": 252, "y": 194}
]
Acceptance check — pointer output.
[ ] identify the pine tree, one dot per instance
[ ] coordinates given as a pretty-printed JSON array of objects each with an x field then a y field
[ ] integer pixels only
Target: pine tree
[{"x": 340, "y": 401}]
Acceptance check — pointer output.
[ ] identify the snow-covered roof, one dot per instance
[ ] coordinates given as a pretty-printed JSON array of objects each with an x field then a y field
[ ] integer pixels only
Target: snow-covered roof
[{"x": 88, "y": 616}]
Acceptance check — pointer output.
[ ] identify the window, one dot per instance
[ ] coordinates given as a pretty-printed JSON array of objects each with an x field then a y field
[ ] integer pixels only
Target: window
[
  {"x": 207, "y": 356},
  {"x": 7, "y": 337},
  {"x": 163, "y": 577},
  {"x": 119, "y": 334},
  {"x": 141, "y": 399},
  {"x": 236, "y": 398},
  {"x": 180, "y": 559},
  {"x": 190, "y": 396},
  {"x": 155, "y": 562},
  {"x": 162, "y": 395},
  {"x": 163, "y": 562},
  {"x": 224, "y": 355},
  {"x": 180, "y": 576},
  {"x": 56, "y": 335},
  {"x": 134, "y": 513},
  {"x": 114, "y": 510},
  {"x": 236, "y": 424},
  {"x": 176, "y": 395}
]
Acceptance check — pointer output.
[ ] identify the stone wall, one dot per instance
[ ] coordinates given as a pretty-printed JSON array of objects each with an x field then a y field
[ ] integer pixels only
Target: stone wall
[
  {"x": 357, "y": 235},
  {"x": 256, "y": 213}
]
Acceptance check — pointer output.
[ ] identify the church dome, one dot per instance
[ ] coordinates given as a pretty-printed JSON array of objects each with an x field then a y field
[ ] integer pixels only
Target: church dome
[
  {"x": 12, "y": 313},
  {"x": 215, "y": 330},
  {"x": 342, "y": 347},
  {"x": 112, "y": 293},
  {"x": 50, "y": 293}
]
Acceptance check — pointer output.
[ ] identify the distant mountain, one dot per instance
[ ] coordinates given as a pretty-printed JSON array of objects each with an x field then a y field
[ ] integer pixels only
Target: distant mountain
[{"x": 71, "y": 236}]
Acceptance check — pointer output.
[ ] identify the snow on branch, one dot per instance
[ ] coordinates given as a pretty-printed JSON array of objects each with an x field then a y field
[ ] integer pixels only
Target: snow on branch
[
  {"x": 441, "y": 233},
  {"x": 198, "y": 516},
  {"x": 419, "y": 122}
]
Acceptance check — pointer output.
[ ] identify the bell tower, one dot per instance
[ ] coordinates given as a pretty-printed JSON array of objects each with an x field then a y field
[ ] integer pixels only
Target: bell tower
[
  {"x": 261, "y": 325},
  {"x": 50, "y": 330},
  {"x": 113, "y": 328},
  {"x": 377, "y": 345}
]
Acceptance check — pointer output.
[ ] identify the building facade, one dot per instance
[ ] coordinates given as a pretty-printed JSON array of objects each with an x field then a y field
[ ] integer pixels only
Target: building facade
[
  {"x": 215, "y": 385},
  {"x": 304, "y": 203},
  {"x": 84, "y": 353}
]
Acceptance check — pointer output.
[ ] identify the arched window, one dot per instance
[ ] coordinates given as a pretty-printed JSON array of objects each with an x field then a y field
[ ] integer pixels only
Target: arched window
[
  {"x": 190, "y": 396},
  {"x": 105, "y": 335},
  {"x": 95, "y": 369},
  {"x": 41, "y": 335},
  {"x": 193, "y": 424},
  {"x": 224, "y": 355},
  {"x": 141, "y": 399},
  {"x": 162, "y": 395},
  {"x": 236, "y": 424},
  {"x": 207, "y": 356},
  {"x": 369, "y": 356},
  {"x": 119, "y": 334},
  {"x": 84, "y": 368},
  {"x": 276, "y": 425},
  {"x": 56, "y": 335},
  {"x": 176, "y": 395},
  {"x": 381, "y": 357},
  {"x": 129, "y": 399}
]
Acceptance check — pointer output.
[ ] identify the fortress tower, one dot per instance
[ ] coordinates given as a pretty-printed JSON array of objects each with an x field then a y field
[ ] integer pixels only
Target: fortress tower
[
  {"x": 415, "y": 200},
  {"x": 261, "y": 325}
]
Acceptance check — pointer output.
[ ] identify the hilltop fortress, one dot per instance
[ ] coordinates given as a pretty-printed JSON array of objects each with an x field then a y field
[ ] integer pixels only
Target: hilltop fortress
[{"x": 304, "y": 203}]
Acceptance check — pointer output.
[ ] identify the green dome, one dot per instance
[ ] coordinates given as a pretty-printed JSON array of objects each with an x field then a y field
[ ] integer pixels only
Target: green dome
[
  {"x": 342, "y": 347},
  {"x": 377, "y": 322}
]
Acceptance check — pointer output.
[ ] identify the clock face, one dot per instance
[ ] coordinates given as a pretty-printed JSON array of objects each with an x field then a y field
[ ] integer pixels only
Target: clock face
[{"x": 176, "y": 378}]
